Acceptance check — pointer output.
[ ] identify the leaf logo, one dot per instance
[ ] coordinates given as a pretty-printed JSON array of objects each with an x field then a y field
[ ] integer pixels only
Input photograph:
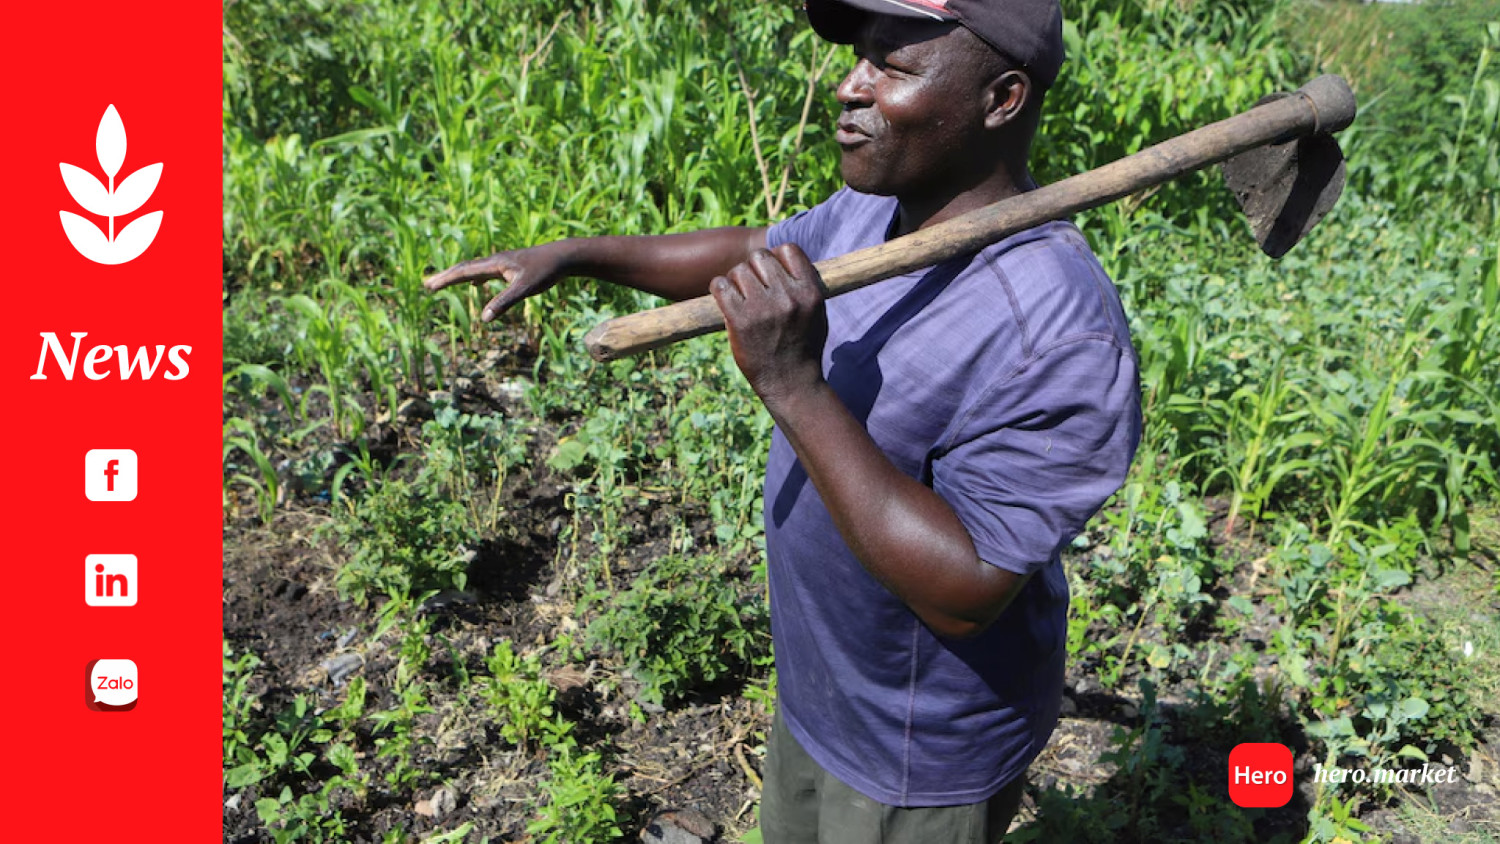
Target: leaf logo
[{"x": 110, "y": 201}]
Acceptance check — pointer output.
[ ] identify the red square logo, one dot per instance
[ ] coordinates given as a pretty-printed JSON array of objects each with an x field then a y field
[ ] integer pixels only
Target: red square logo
[{"x": 1260, "y": 775}]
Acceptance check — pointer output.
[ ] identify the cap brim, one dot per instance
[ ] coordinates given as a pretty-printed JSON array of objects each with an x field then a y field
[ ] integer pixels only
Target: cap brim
[{"x": 839, "y": 20}]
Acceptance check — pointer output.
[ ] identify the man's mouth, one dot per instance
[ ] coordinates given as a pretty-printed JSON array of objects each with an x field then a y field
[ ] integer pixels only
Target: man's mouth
[{"x": 849, "y": 135}]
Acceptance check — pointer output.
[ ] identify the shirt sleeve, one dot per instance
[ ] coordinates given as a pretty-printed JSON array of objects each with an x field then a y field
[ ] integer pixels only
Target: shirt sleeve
[
  {"x": 808, "y": 229},
  {"x": 1041, "y": 451}
]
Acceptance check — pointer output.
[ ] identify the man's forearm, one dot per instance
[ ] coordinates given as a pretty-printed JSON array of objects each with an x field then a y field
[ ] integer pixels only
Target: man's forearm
[
  {"x": 673, "y": 266},
  {"x": 903, "y": 532}
]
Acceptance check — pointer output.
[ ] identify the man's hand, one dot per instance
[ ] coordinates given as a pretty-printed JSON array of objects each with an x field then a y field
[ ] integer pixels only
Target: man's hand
[
  {"x": 901, "y": 531},
  {"x": 774, "y": 312},
  {"x": 526, "y": 271},
  {"x": 672, "y": 266}
]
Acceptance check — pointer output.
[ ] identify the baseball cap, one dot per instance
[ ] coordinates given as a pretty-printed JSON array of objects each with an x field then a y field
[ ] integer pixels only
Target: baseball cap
[{"x": 1028, "y": 31}]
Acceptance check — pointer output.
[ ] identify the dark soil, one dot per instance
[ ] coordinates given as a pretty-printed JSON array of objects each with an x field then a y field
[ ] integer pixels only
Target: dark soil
[{"x": 701, "y": 754}]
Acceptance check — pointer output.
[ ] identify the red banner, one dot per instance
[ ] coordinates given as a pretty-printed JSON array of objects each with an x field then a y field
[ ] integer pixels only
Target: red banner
[{"x": 111, "y": 349}]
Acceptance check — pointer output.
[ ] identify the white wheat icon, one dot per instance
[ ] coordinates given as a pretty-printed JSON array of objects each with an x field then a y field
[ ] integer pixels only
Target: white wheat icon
[{"x": 110, "y": 201}]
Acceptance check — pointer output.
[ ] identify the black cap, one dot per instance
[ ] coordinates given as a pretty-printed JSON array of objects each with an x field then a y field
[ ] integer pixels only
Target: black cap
[{"x": 1027, "y": 31}]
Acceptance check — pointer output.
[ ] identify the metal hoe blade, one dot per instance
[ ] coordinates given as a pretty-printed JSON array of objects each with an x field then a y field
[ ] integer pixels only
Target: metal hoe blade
[{"x": 1286, "y": 188}]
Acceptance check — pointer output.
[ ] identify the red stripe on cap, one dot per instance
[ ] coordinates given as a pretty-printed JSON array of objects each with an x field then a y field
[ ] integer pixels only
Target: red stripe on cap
[{"x": 926, "y": 6}]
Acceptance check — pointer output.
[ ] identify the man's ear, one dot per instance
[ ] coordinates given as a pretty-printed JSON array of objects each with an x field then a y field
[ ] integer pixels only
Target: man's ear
[{"x": 1006, "y": 97}]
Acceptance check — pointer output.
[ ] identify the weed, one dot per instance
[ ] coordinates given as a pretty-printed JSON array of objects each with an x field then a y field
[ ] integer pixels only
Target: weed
[
  {"x": 682, "y": 625},
  {"x": 523, "y": 702},
  {"x": 404, "y": 542},
  {"x": 580, "y": 803}
]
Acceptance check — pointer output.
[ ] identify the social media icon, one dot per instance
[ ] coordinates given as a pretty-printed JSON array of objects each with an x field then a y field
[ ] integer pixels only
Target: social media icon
[
  {"x": 1260, "y": 775},
  {"x": 110, "y": 580},
  {"x": 113, "y": 685},
  {"x": 109, "y": 474}
]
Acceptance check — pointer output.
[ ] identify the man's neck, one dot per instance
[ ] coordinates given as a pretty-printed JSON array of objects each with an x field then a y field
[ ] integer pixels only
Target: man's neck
[{"x": 919, "y": 212}]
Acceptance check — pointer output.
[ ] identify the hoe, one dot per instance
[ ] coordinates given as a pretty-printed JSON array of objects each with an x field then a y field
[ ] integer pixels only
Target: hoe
[{"x": 1279, "y": 158}]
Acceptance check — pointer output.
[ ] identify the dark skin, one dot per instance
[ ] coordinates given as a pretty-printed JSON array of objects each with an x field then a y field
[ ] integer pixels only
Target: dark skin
[{"x": 932, "y": 117}]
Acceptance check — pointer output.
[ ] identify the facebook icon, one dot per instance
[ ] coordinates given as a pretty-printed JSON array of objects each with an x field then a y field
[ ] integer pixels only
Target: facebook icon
[{"x": 109, "y": 474}]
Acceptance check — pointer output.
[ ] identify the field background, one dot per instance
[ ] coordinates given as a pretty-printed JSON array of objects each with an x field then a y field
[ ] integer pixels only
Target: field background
[{"x": 479, "y": 588}]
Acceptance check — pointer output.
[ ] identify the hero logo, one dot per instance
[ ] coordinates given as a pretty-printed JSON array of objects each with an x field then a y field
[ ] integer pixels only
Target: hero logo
[
  {"x": 110, "y": 201},
  {"x": 96, "y": 362}
]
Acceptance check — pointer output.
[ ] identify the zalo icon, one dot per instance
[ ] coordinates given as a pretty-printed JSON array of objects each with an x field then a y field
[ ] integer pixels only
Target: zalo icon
[{"x": 113, "y": 685}]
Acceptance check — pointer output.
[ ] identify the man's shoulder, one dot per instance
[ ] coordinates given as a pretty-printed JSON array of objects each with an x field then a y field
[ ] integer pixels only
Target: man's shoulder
[
  {"x": 846, "y": 221},
  {"x": 1056, "y": 287}
]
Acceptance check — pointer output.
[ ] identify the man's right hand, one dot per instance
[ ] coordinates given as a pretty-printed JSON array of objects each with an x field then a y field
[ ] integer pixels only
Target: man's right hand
[
  {"x": 527, "y": 272},
  {"x": 672, "y": 266}
]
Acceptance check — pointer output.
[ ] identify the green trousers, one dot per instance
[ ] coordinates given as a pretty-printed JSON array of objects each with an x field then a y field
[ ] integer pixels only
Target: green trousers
[{"x": 803, "y": 804}]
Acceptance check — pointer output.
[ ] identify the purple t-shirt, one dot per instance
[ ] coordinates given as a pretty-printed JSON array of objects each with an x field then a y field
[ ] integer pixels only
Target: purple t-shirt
[{"x": 1007, "y": 383}]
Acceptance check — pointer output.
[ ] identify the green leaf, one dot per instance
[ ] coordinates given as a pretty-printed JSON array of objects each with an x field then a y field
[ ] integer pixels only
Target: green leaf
[
  {"x": 1414, "y": 708},
  {"x": 1410, "y": 752},
  {"x": 1387, "y": 579},
  {"x": 276, "y": 750},
  {"x": 568, "y": 454},
  {"x": 268, "y": 809},
  {"x": 242, "y": 775}
]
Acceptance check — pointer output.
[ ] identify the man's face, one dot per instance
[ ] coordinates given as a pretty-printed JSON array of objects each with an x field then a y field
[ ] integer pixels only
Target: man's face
[{"x": 912, "y": 109}]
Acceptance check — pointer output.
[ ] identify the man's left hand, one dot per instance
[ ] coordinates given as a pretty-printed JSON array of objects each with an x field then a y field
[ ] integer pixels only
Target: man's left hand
[{"x": 773, "y": 309}]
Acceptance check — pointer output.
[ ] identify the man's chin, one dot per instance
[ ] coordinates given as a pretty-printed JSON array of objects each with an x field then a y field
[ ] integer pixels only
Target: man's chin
[{"x": 861, "y": 181}]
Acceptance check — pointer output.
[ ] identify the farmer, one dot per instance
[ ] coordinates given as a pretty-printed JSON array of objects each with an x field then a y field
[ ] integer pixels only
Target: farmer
[{"x": 940, "y": 437}]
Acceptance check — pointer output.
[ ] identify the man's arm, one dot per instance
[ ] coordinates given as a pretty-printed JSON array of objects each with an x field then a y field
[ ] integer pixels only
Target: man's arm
[
  {"x": 673, "y": 266},
  {"x": 901, "y": 531}
]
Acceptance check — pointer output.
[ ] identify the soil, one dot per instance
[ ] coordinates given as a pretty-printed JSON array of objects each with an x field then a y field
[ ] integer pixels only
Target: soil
[{"x": 702, "y": 754}]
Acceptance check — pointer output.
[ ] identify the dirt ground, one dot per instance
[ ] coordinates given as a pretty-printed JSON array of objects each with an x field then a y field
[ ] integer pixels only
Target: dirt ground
[
  {"x": 702, "y": 755},
  {"x": 279, "y": 604}
]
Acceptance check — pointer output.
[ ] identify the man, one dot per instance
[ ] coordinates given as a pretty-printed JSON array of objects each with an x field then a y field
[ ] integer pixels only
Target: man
[{"x": 939, "y": 437}]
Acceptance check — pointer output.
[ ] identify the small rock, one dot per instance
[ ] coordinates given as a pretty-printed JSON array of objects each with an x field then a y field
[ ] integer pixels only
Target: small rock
[
  {"x": 513, "y": 389},
  {"x": 446, "y": 598},
  {"x": 444, "y": 801},
  {"x": 678, "y": 826},
  {"x": 1128, "y": 710},
  {"x": 440, "y": 803},
  {"x": 413, "y": 409},
  {"x": 348, "y": 637},
  {"x": 568, "y": 677},
  {"x": 232, "y": 804},
  {"x": 1068, "y": 707},
  {"x": 339, "y": 667}
]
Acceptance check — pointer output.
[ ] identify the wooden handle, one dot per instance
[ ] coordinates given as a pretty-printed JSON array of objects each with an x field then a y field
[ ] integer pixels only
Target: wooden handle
[{"x": 1323, "y": 105}]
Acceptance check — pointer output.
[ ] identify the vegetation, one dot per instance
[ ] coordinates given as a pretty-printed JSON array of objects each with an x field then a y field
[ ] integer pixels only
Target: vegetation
[{"x": 1296, "y": 557}]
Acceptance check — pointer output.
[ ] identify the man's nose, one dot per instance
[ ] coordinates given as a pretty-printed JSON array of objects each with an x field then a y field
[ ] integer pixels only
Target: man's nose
[{"x": 859, "y": 86}]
